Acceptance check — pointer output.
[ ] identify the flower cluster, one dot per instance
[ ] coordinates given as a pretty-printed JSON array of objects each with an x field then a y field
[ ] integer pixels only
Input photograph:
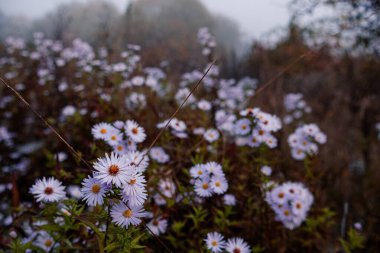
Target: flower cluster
[
  {"x": 159, "y": 155},
  {"x": 295, "y": 106},
  {"x": 176, "y": 126},
  {"x": 208, "y": 179},
  {"x": 135, "y": 101},
  {"x": 233, "y": 94},
  {"x": 122, "y": 136},
  {"x": 206, "y": 40},
  {"x": 166, "y": 190},
  {"x": 119, "y": 173},
  {"x": 215, "y": 243},
  {"x": 256, "y": 128},
  {"x": 290, "y": 202},
  {"x": 304, "y": 141},
  {"x": 122, "y": 171}
]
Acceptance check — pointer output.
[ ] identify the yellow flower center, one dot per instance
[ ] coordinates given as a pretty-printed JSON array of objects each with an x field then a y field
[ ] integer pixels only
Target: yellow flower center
[
  {"x": 48, "y": 243},
  {"x": 214, "y": 243},
  {"x": 103, "y": 131},
  {"x": 95, "y": 188},
  {"x": 135, "y": 130},
  {"x": 205, "y": 186},
  {"x": 127, "y": 213},
  {"x": 217, "y": 183},
  {"x": 132, "y": 181}
]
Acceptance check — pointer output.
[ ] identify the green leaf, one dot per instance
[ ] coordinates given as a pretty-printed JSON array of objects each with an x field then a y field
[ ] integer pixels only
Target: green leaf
[
  {"x": 99, "y": 235},
  {"x": 345, "y": 246},
  {"x": 111, "y": 247}
]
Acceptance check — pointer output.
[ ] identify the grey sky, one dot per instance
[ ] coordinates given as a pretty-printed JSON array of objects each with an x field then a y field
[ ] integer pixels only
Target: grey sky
[{"x": 255, "y": 17}]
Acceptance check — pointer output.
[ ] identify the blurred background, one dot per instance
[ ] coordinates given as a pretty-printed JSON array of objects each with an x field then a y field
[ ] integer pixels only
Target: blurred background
[{"x": 339, "y": 78}]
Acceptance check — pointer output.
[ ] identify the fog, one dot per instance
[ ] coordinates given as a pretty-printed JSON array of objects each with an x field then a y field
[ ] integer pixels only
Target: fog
[{"x": 255, "y": 17}]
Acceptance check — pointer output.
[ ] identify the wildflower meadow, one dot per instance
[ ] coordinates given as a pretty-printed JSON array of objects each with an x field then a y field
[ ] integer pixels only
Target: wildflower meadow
[{"x": 101, "y": 152}]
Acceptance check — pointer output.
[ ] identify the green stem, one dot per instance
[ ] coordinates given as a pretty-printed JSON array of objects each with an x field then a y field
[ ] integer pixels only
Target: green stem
[{"x": 107, "y": 225}]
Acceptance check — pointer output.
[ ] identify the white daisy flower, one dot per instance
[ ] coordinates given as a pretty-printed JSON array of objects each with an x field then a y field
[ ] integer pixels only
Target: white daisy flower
[
  {"x": 93, "y": 191},
  {"x": 203, "y": 188},
  {"x": 137, "y": 160},
  {"x": 298, "y": 154},
  {"x": 138, "y": 80},
  {"x": 48, "y": 190},
  {"x": 158, "y": 225},
  {"x": 242, "y": 126},
  {"x": 118, "y": 124},
  {"x": 198, "y": 170},
  {"x": 159, "y": 155},
  {"x": 134, "y": 131},
  {"x": 237, "y": 245},
  {"x": 270, "y": 141},
  {"x": 229, "y": 200},
  {"x": 44, "y": 241},
  {"x": 101, "y": 130},
  {"x": 167, "y": 187},
  {"x": 214, "y": 168},
  {"x": 358, "y": 226},
  {"x": 114, "y": 137},
  {"x": 219, "y": 184},
  {"x": 124, "y": 216},
  {"x": 135, "y": 200},
  {"x": 253, "y": 141},
  {"x": 120, "y": 148},
  {"x": 320, "y": 138},
  {"x": 266, "y": 170},
  {"x": 177, "y": 125},
  {"x": 113, "y": 169},
  {"x": 279, "y": 195},
  {"x": 211, "y": 135},
  {"x": 135, "y": 185},
  {"x": 215, "y": 242},
  {"x": 131, "y": 145},
  {"x": 204, "y": 105}
]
